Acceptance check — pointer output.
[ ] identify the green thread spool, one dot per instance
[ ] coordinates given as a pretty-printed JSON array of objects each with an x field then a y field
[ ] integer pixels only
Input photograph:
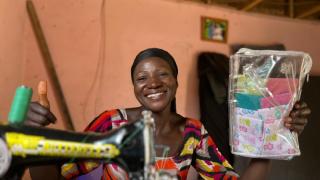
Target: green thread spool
[{"x": 20, "y": 105}]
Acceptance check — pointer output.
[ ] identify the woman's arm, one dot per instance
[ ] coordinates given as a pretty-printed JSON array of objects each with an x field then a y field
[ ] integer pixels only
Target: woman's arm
[
  {"x": 258, "y": 169},
  {"x": 206, "y": 158}
]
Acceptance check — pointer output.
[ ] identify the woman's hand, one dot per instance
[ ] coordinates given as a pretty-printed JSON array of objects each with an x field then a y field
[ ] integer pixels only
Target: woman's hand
[
  {"x": 297, "y": 119},
  {"x": 38, "y": 115}
]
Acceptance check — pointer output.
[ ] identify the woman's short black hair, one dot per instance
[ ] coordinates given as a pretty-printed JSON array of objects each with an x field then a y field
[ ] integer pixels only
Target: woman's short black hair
[
  {"x": 155, "y": 52},
  {"x": 162, "y": 54}
]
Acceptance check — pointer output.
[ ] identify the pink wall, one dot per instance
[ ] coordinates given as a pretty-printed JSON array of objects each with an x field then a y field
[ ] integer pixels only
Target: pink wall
[
  {"x": 95, "y": 80},
  {"x": 93, "y": 48},
  {"x": 12, "y": 30}
]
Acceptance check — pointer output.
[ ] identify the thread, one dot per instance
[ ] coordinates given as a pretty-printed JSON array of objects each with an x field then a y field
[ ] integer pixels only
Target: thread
[{"x": 20, "y": 105}]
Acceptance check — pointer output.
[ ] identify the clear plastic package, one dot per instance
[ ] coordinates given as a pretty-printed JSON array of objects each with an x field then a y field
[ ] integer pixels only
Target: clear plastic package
[{"x": 264, "y": 85}]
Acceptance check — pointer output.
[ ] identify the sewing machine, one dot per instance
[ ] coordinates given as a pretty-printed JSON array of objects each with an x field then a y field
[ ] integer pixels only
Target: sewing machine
[{"x": 131, "y": 146}]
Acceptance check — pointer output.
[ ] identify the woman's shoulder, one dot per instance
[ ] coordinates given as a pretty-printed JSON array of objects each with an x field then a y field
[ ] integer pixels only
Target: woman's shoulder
[
  {"x": 196, "y": 125},
  {"x": 193, "y": 122},
  {"x": 108, "y": 120},
  {"x": 113, "y": 115}
]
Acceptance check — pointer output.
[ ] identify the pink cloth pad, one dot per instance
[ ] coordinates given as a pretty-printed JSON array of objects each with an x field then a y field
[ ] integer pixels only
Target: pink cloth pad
[
  {"x": 277, "y": 100},
  {"x": 282, "y": 85}
]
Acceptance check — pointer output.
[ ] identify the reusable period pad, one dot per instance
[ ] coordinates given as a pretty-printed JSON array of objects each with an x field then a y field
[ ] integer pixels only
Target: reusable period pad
[{"x": 263, "y": 88}]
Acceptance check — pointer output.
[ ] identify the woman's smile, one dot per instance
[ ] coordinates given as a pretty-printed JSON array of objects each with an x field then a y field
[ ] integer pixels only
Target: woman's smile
[{"x": 155, "y": 96}]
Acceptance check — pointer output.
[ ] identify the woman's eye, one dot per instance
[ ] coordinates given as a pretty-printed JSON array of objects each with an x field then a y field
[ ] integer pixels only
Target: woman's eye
[
  {"x": 141, "y": 78},
  {"x": 164, "y": 74}
]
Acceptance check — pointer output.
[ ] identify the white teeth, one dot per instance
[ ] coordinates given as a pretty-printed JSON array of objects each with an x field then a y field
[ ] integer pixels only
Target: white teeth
[{"x": 154, "y": 96}]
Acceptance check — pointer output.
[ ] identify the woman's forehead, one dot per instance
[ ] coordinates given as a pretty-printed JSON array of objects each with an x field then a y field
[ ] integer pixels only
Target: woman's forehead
[{"x": 153, "y": 62}]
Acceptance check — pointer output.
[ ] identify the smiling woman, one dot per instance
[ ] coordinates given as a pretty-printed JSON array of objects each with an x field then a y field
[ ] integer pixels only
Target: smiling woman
[
  {"x": 183, "y": 143},
  {"x": 154, "y": 77}
]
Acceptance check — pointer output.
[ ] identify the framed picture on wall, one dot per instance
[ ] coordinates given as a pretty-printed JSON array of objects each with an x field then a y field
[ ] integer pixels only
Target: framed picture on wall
[{"x": 214, "y": 29}]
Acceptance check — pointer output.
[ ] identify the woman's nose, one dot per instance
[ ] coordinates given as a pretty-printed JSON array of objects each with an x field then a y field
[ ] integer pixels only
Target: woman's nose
[{"x": 154, "y": 82}]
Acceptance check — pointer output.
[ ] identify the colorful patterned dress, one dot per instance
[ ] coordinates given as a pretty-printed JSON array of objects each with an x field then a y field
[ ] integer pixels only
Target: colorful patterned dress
[{"x": 198, "y": 150}]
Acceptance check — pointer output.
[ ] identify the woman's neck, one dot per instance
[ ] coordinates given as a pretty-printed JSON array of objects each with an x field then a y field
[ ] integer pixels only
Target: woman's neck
[
  {"x": 169, "y": 127},
  {"x": 165, "y": 121}
]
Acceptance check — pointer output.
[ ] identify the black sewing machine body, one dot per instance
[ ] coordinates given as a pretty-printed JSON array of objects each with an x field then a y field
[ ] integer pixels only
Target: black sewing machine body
[{"x": 24, "y": 146}]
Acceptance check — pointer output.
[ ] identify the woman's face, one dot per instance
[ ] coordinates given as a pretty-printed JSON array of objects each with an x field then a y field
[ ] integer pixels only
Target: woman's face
[{"x": 154, "y": 84}]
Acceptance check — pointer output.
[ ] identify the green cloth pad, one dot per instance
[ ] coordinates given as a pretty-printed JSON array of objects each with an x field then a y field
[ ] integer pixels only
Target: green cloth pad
[{"x": 248, "y": 101}]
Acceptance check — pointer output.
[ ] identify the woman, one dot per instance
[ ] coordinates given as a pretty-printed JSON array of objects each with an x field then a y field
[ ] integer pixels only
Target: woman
[{"x": 154, "y": 77}]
